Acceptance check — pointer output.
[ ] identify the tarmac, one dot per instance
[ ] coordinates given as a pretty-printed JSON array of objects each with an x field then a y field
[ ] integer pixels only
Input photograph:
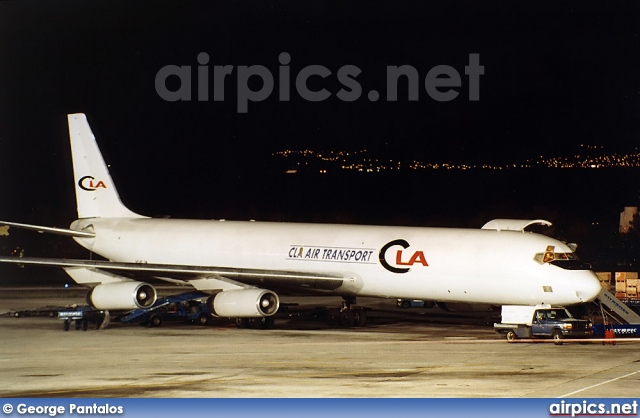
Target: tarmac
[{"x": 422, "y": 353}]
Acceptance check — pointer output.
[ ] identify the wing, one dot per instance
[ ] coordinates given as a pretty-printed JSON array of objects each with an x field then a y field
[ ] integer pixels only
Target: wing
[{"x": 204, "y": 278}]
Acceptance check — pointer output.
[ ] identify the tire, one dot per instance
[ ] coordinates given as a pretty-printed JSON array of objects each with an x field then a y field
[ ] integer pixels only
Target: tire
[
  {"x": 406, "y": 304},
  {"x": 347, "y": 318},
  {"x": 333, "y": 317},
  {"x": 264, "y": 323},
  {"x": 557, "y": 337},
  {"x": 155, "y": 321},
  {"x": 261, "y": 322},
  {"x": 242, "y": 323},
  {"x": 202, "y": 319},
  {"x": 360, "y": 317},
  {"x": 269, "y": 322},
  {"x": 66, "y": 325},
  {"x": 511, "y": 336},
  {"x": 85, "y": 325}
]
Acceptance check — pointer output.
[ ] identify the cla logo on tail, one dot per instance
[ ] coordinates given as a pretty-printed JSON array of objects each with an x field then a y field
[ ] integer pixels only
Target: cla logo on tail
[
  {"x": 417, "y": 257},
  {"x": 87, "y": 183}
]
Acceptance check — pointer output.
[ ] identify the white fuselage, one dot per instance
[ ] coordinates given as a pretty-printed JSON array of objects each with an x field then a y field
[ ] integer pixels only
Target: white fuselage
[{"x": 440, "y": 264}]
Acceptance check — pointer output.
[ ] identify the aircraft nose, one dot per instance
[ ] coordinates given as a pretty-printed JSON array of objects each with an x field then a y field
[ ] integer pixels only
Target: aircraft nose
[{"x": 589, "y": 289}]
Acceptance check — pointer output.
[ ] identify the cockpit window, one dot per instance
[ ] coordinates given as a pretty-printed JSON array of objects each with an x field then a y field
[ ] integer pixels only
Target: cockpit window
[
  {"x": 550, "y": 255},
  {"x": 567, "y": 261},
  {"x": 574, "y": 264}
]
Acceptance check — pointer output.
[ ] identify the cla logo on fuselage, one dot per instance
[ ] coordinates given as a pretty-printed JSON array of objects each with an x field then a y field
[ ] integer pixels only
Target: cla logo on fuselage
[
  {"x": 417, "y": 257},
  {"x": 87, "y": 183}
]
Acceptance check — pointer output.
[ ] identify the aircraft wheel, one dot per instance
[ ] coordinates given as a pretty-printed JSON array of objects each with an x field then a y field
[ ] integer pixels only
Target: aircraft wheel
[
  {"x": 347, "y": 318},
  {"x": 155, "y": 321},
  {"x": 360, "y": 317},
  {"x": 333, "y": 316},
  {"x": 202, "y": 319},
  {"x": 511, "y": 336},
  {"x": 242, "y": 323},
  {"x": 406, "y": 304},
  {"x": 261, "y": 322},
  {"x": 264, "y": 323},
  {"x": 269, "y": 322},
  {"x": 557, "y": 337}
]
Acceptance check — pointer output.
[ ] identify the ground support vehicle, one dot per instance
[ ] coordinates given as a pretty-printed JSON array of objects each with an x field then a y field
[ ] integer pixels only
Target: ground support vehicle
[
  {"x": 83, "y": 316},
  {"x": 182, "y": 307},
  {"x": 414, "y": 303},
  {"x": 541, "y": 322},
  {"x": 614, "y": 318}
]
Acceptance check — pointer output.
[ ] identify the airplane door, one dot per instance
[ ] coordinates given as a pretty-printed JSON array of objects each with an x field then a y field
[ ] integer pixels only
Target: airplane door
[{"x": 538, "y": 326}]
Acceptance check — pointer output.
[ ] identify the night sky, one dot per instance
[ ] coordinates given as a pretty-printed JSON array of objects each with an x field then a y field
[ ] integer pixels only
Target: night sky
[{"x": 556, "y": 75}]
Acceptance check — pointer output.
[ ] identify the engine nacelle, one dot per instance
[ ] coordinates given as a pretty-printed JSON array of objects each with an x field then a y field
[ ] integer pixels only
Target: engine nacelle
[
  {"x": 244, "y": 303},
  {"x": 122, "y": 296}
]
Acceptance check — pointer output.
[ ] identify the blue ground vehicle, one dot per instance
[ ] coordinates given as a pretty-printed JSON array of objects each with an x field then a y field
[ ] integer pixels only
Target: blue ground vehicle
[
  {"x": 182, "y": 307},
  {"x": 541, "y": 322},
  {"x": 414, "y": 303}
]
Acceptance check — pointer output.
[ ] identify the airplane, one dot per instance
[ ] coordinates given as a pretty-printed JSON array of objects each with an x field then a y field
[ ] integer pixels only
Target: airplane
[{"x": 244, "y": 265}]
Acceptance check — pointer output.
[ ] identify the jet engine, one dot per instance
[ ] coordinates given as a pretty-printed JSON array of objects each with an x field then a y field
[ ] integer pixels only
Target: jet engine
[
  {"x": 244, "y": 303},
  {"x": 122, "y": 295}
]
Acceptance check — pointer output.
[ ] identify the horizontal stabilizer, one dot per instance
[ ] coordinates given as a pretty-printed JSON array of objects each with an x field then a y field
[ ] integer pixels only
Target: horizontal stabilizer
[{"x": 50, "y": 230}]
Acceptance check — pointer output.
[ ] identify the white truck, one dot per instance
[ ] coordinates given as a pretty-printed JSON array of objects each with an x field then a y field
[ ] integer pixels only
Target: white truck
[{"x": 541, "y": 322}]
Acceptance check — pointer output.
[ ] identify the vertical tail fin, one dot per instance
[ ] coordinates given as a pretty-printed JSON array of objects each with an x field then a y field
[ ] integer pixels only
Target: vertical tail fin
[{"x": 96, "y": 195}]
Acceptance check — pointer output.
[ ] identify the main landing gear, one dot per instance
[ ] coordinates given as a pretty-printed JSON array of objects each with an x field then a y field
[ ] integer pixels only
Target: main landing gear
[
  {"x": 348, "y": 316},
  {"x": 255, "y": 323}
]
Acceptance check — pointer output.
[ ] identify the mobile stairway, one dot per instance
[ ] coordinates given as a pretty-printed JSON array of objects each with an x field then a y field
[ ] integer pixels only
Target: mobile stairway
[{"x": 617, "y": 316}]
